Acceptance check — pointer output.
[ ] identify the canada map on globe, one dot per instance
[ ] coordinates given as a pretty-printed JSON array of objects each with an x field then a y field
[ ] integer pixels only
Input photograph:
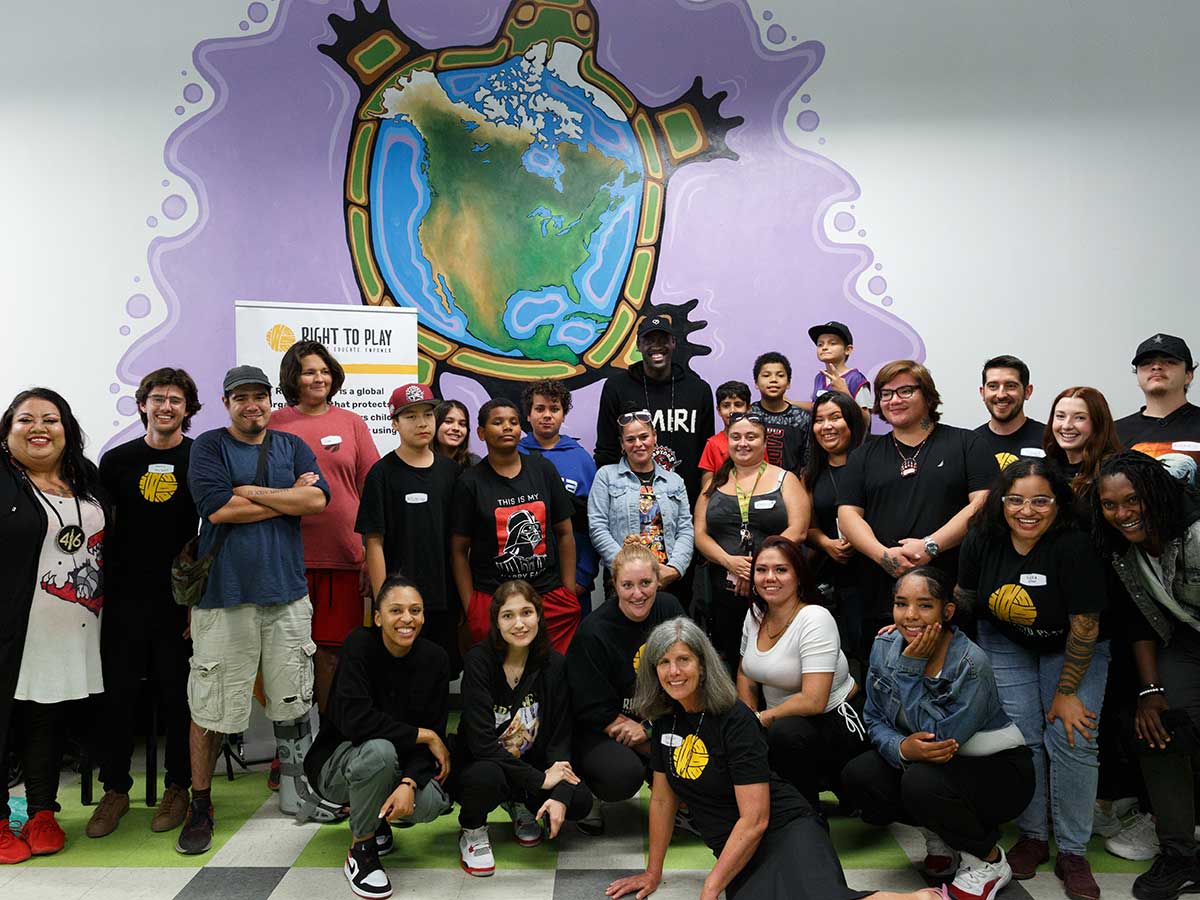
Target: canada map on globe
[{"x": 510, "y": 200}]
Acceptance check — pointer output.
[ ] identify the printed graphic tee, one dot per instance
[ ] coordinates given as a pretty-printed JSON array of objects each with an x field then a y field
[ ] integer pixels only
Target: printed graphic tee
[
  {"x": 1175, "y": 439},
  {"x": 1029, "y": 598},
  {"x": 1008, "y": 448},
  {"x": 510, "y": 522},
  {"x": 787, "y": 435},
  {"x": 650, "y": 522}
]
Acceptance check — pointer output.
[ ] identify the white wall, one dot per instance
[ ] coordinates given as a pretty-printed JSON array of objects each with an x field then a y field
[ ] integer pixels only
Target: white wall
[{"x": 1028, "y": 171}]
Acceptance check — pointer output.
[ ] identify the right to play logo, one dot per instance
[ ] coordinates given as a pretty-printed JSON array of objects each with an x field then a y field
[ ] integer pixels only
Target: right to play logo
[{"x": 280, "y": 337}]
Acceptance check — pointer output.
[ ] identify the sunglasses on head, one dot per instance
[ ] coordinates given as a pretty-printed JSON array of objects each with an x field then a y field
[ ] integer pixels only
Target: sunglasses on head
[
  {"x": 746, "y": 417},
  {"x": 639, "y": 415}
]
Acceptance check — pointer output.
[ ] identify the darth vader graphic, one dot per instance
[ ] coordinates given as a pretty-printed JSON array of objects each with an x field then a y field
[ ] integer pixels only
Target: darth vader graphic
[{"x": 521, "y": 537}]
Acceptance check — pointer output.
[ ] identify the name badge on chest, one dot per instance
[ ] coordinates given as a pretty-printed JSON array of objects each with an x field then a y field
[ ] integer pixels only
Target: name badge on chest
[
  {"x": 1033, "y": 579},
  {"x": 671, "y": 740},
  {"x": 416, "y": 498}
]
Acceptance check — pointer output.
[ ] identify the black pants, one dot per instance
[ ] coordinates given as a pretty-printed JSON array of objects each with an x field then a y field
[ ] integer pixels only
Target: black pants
[
  {"x": 136, "y": 642},
  {"x": 726, "y": 615},
  {"x": 811, "y": 751},
  {"x": 613, "y": 771},
  {"x": 482, "y": 787},
  {"x": 1120, "y": 776},
  {"x": 43, "y": 729},
  {"x": 963, "y": 801},
  {"x": 1170, "y": 774}
]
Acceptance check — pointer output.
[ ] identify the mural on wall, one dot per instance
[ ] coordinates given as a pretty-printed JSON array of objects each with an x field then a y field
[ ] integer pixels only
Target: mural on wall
[{"x": 533, "y": 177}]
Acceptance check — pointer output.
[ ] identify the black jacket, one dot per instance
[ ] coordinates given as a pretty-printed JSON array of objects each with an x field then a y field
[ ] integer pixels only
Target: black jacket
[
  {"x": 485, "y": 691},
  {"x": 377, "y": 695},
  {"x": 683, "y": 418}
]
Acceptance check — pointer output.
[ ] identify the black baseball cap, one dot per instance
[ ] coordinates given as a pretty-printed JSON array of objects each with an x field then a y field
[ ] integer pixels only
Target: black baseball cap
[
  {"x": 831, "y": 328},
  {"x": 1164, "y": 345},
  {"x": 240, "y": 375},
  {"x": 656, "y": 323}
]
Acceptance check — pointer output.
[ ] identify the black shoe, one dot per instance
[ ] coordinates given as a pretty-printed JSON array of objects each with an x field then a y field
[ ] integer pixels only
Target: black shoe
[
  {"x": 365, "y": 874},
  {"x": 383, "y": 839},
  {"x": 1168, "y": 878},
  {"x": 196, "y": 834}
]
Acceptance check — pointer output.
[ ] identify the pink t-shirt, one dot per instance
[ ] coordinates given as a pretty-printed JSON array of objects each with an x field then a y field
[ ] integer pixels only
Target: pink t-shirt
[
  {"x": 345, "y": 452},
  {"x": 716, "y": 451}
]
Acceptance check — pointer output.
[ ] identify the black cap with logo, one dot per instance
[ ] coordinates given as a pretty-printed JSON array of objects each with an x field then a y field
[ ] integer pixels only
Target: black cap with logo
[
  {"x": 1164, "y": 345},
  {"x": 831, "y": 328},
  {"x": 656, "y": 323}
]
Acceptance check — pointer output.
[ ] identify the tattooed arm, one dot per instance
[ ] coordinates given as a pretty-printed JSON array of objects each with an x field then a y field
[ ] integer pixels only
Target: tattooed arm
[{"x": 1085, "y": 628}]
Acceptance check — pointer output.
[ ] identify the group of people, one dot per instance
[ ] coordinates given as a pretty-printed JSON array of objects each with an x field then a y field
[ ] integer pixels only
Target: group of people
[{"x": 943, "y": 627}]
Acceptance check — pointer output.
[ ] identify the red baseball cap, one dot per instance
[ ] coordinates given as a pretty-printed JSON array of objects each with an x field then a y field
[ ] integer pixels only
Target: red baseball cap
[{"x": 411, "y": 395}]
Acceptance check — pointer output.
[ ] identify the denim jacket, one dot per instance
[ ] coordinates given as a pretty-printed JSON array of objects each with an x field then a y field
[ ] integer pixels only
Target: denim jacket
[
  {"x": 613, "y": 512},
  {"x": 962, "y": 700},
  {"x": 1180, "y": 563}
]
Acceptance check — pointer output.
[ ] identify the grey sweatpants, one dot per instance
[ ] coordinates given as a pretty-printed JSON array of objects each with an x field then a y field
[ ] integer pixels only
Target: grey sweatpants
[{"x": 365, "y": 776}]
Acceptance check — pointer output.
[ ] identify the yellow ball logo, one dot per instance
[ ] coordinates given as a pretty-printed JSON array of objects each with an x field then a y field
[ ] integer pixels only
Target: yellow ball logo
[
  {"x": 1004, "y": 460},
  {"x": 1011, "y": 603},
  {"x": 158, "y": 487},
  {"x": 690, "y": 758},
  {"x": 637, "y": 657},
  {"x": 280, "y": 337}
]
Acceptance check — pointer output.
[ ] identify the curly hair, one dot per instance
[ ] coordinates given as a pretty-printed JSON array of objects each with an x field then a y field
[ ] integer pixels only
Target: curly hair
[
  {"x": 168, "y": 377},
  {"x": 548, "y": 388},
  {"x": 1168, "y": 505}
]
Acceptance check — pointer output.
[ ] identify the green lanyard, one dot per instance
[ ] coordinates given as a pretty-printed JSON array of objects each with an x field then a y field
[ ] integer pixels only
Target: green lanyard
[{"x": 743, "y": 499}]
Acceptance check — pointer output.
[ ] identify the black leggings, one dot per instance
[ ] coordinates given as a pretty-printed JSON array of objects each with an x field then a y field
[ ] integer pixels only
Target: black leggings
[
  {"x": 482, "y": 787},
  {"x": 963, "y": 801},
  {"x": 811, "y": 751},
  {"x": 613, "y": 771},
  {"x": 43, "y": 733}
]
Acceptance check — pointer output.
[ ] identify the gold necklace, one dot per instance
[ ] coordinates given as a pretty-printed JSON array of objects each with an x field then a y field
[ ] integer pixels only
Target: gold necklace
[{"x": 786, "y": 626}]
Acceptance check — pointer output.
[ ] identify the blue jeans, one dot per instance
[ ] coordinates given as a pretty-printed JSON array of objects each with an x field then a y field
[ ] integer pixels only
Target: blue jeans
[{"x": 1027, "y": 681}]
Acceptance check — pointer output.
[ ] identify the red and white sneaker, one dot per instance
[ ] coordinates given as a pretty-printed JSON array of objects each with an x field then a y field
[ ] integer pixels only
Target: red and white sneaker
[
  {"x": 475, "y": 849},
  {"x": 43, "y": 834},
  {"x": 12, "y": 848},
  {"x": 979, "y": 880}
]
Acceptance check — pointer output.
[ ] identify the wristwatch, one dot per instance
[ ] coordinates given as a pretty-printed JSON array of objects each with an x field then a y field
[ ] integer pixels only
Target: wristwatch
[{"x": 931, "y": 547}]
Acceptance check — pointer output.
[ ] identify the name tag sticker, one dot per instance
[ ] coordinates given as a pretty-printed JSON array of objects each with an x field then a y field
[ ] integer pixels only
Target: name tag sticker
[
  {"x": 1033, "y": 579},
  {"x": 331, "y": 440},
  {"x": 1033, "y": 451},
  {"x": 160, "y": 468},
  {"x": 764, "y": 504},
  {"x": 671, "y": 740},
  {"x": 1186, "y": 446},
  {"x": 416, "y": 498}
]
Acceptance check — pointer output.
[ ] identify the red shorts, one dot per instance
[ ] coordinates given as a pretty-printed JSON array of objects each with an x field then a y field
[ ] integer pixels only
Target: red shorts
[
  {"x": 337, "y": 603},
  {"x": 560, "y": 609}
]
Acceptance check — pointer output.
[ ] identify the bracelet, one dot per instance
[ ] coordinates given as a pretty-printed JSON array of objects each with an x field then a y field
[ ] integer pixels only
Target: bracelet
[
  {"x": 1151, "y": 689},
  {"x": 409, "y": 781}
]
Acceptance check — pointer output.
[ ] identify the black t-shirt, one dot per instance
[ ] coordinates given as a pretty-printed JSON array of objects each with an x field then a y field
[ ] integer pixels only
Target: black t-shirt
[
  {"x": 604, "y": 657},
  {"x": 1029, "y": 598},
  {"x": 824, "y": 513},
  {"x": 154, "y": 516},
  {"x": 1008, "y": 448},
  {"x": 510, "y": 522},
  {"x": 704, "y": 758},
  {"x": 410, "y": 507},
  {"x": 1175, "y": 436}
]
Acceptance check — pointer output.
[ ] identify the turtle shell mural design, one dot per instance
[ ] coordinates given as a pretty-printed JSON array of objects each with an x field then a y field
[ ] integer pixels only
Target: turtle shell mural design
[{"x": 512, "y": 192}]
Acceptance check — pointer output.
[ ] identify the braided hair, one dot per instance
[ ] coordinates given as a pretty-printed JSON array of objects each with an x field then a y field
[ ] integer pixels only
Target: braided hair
[{"x": 1168, "y": 505}]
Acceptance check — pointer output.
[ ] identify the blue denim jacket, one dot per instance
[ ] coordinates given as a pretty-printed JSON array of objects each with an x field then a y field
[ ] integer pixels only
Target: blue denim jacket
[
  {"x": 613, "y": 512},
  {"x": 958, "y": 703}
]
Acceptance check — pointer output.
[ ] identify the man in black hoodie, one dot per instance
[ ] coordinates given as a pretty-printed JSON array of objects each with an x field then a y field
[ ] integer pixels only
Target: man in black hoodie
[{"x": 680, "y": 401}]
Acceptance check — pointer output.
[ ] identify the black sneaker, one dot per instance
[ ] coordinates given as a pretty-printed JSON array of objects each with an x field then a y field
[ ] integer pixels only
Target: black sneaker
[
  {"x": 1168, "y": 878},
  {"x": 365, "y": 874},
  {"x": 383, "y": 839},
  {"x": 196, "y": 834}
]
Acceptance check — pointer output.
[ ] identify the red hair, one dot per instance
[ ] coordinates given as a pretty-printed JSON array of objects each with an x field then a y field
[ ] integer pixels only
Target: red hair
[{"x": 1103, "y": 441}]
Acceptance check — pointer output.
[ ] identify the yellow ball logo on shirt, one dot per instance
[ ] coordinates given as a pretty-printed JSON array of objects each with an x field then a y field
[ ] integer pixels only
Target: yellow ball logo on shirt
[
  {"x": 158, "y": 487},
  {"x": 690, "y": 758},
  {"x": 1005, "y": 459},
  {"x": 637, "y": 658},
  {"x": 280, "y": 337},
  {"x": 1012, "y": 603}
]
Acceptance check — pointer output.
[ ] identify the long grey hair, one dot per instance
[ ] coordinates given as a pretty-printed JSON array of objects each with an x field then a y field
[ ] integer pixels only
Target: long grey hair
[{"x": 717, "y": 693}]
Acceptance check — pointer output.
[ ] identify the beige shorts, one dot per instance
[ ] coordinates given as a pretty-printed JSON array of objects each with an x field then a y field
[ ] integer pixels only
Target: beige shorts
[{"x": 228, "y": 648}]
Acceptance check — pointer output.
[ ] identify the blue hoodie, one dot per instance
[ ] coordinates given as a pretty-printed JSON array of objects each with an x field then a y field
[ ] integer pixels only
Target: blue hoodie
[{"x": 577, "y": 469}]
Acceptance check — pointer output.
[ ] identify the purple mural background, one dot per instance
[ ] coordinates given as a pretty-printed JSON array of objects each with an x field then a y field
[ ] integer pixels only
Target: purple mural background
[{"x": 747, "y": 237}]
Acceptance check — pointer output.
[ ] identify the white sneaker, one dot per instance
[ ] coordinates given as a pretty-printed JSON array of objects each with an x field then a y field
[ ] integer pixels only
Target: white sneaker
[
  {"x": 979, "y": 880},
  {"x": 1137, "y": 840},
  {"x": 941, "y": 860},
  {"x": 365, "y": 874},
  {"x": 475, "y": 850},
  {"x": 525, "y": 826},
  {"x": 1107, "y": 823}
]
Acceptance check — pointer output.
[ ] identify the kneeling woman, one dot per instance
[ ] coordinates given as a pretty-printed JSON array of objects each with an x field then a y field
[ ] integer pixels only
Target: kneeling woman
[
  {"x": 791, "y": 653},
  {"x": 709, "y": 752},
  {"x": 514, "y": 740},
  {"x": 946, "y": 758}
]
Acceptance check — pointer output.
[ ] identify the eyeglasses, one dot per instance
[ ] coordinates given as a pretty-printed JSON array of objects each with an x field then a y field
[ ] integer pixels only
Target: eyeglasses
[
  {"x": 640, "y": 415},
  {"x": 746, "y": 417},
  {"x": 1041, "y": 502},
  {"x": 161, "y": 400},
  {"x": 902, "y": 392}
]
